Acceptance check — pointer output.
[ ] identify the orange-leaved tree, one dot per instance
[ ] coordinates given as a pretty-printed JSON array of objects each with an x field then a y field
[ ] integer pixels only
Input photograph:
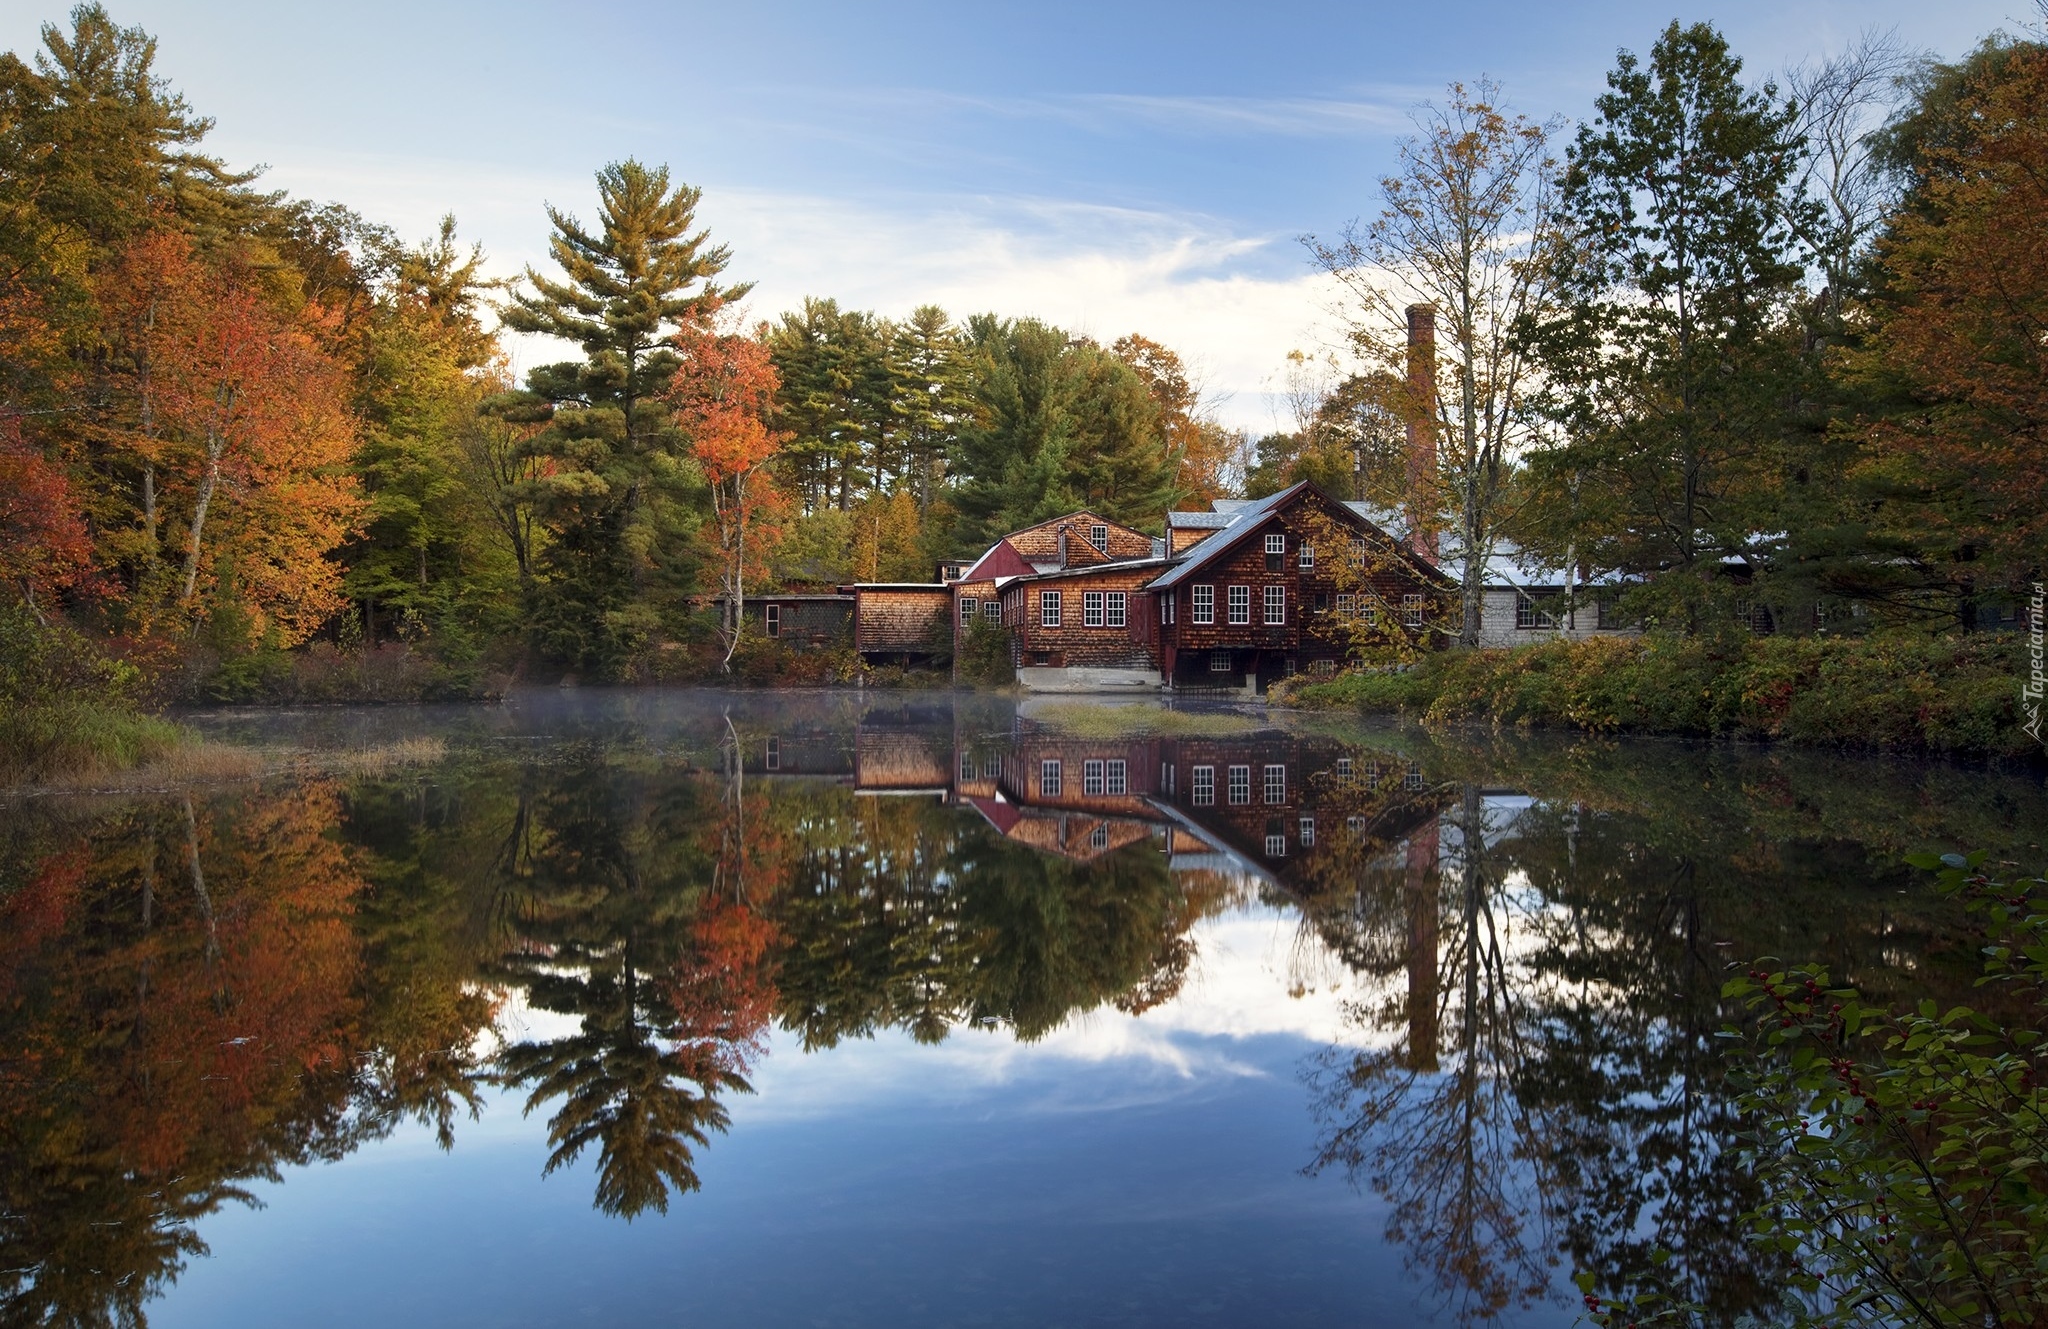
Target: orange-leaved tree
[
  {"x": 1966, "y": 336},
  {"x": 722, "y": 394},
  {"x": 240, "y": 426}
]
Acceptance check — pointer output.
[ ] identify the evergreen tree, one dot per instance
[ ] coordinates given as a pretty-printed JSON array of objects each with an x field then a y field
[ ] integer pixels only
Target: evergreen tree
[
  {"x": 617, "y": 460},
  {"x": 1670, "y": 364},
  {"x": 931, "y": 398},
  {"x": 1064, "y": 425}
]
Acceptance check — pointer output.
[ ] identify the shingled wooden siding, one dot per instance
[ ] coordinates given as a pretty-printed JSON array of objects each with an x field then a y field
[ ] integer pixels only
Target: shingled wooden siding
[
  {"x": 1186, "y": 646},
  {"x": 899, "y": 620},
  {"x": 981, "y": 594},
  {"x": 1041, "y": 543},
  {"x": 1073, "y": 642}
]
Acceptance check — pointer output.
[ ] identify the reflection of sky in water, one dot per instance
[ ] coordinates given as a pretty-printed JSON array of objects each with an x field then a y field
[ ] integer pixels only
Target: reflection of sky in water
[{"x": 1121, "y": 1170}]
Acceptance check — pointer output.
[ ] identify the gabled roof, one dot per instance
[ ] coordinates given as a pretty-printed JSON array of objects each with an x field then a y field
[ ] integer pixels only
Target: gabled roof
[
  {"x": 1001, "y": 560},
  {"x": 1246, "y": 515},
  {"x": 1199, "y": 521}
]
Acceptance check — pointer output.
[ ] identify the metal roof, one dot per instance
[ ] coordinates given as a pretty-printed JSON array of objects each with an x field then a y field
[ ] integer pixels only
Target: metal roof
[
  {"x": 1245, "y": 513},
  {"x": 1200, "y": 521}
]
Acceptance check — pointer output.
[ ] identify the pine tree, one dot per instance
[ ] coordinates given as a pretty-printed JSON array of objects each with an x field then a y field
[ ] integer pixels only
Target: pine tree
[
  {"x": 615, "y": 456},
  {"x": 931, "y": 398},
  {"x": 1670, "y": 363}
]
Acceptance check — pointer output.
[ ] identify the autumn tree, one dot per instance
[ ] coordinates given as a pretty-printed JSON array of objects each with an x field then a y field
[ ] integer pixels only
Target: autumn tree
[
  {"x": 1957, "y": 348},
  {"x": 241, "y": 430},
  {"x": 616, "y": 472},
  {"x": 1466, "y": 228},
  {"x": 722, "y": 393}
]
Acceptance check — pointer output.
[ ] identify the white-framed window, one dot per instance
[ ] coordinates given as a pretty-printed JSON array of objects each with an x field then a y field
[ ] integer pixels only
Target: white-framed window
[
  {"x": 1240, "y": 604},
  {"x": 992, "y": 610},
  {"x": 1167, "y": 601},
  {"x": 1307, "y": 828},
  {"x": 1276, "y": 549},
  {"x": 1347, "y": 605},
  {"x": 1343, "y": 770},
  {"x": 1358, "y": 553},
  {"x": 1091, "y": 609},
  {"x": 1321, "y": 668},
  {"x": 1240, "y": 785},
  {"x": 966, "y": 766},
  {"x": 1049, "y": 778},
  {"x": 1048, "y": 609},
  {"x": 1116, "y": 609},
  {"x": 1307, "y": 557},
  {"x": 1276, "y": 784},
  {"x": 1412, "y": 609},
  {"x": 1276, "y": 605},
  {"x": 1276, "y": 846},
  {"x": 1099, "y": 537},
  {"x": 1116, "y": 776},
  {"x": 1202, "y": 786},
  {"x": 1413, "y": 778},
  {"x": 1202, "y": 603},
  {"x": 1530, "y": 615},
  {"x": 1219, "y": 662},
  {"x": 771, "y": 618},
  {"x": 1372, "y": 775},
  {"x": 991, "y": 766},
  {"x": 1356, "y": 825},
  {"x": 1091, "y": 778},
  {"x": 1099, "y": 837},
  {"x": 771, "y": 755},
  {"x": 969, "y": 607}
]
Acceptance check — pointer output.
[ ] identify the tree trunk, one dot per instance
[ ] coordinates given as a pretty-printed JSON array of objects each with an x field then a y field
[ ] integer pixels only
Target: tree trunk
[{"x": 200, "y": 503}]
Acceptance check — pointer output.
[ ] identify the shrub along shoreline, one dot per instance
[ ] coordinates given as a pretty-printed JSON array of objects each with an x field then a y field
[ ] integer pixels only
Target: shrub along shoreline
[{"x": 1956, "y": 696}]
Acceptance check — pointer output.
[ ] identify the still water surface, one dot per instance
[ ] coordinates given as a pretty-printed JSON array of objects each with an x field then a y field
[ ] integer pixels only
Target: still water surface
[{"x": 689, "y": 1008}]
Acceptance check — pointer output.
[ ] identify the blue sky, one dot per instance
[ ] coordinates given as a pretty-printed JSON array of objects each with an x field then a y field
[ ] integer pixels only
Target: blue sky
[{"x": 1114, "y": 167}]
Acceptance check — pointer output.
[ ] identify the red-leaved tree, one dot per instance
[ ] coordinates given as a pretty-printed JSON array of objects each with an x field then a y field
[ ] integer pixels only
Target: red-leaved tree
[{"x": 721, "y": 396}]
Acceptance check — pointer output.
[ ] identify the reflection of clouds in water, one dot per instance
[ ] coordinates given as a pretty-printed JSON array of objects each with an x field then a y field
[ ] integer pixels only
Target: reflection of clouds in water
[{"x": 1238, "y": 990}]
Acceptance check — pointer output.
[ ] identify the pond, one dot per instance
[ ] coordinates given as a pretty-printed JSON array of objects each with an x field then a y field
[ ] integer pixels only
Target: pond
[{"x": 822, "y": 1009}]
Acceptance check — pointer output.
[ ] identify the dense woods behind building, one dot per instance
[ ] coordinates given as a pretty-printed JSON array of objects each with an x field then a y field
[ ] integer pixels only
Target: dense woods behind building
[{"x": 1745, "y": 352}]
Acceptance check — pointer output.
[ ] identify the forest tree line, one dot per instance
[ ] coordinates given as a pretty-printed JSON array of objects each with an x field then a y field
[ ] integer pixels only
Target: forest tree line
[{"x": 1723, "y": 326}]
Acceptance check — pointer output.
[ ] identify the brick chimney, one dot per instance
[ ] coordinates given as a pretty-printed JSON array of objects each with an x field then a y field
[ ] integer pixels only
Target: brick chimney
[{"x": 1421, "y": 426}]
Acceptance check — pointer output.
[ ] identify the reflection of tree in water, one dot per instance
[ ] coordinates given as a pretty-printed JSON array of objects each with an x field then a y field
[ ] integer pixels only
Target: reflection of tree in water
[
  {"x": 1553, "y": 1089},
  {"x": 1433, "y": 1122},
  {"x": 903, "y": 914},
  {"x": 185, "y": 1005},
  {"x": 602, "y": 882}
]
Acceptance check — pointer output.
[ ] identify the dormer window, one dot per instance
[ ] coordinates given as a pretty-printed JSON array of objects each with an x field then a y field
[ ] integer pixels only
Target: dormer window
[{"x": 1099, "y": 537}]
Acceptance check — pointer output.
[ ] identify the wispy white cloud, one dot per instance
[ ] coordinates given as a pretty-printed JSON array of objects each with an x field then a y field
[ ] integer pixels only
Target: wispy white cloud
[{"x": 1232, "y": 303}]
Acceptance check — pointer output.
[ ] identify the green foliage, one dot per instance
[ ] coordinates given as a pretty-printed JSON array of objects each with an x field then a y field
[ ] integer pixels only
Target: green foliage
[
  {"x": 1067, "y": 425},
  {"x": 619, "y": 479},
  {"x": 984, "y": 657},
  {"x": 65, "y": 708},
  {"x": 1669, "y": 363},
  {"x": 1906, "y": 694},
  {"x": 1904, "y": 1152}
]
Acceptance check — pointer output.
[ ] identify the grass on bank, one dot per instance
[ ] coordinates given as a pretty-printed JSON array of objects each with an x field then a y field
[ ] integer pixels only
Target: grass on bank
[
  {"x": 1095, "y": 720},
  {"x": 1939, "y": 695}
]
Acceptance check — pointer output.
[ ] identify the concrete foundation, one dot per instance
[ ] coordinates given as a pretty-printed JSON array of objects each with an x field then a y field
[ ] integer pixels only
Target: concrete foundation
[{"x": 1082, "y": 678}]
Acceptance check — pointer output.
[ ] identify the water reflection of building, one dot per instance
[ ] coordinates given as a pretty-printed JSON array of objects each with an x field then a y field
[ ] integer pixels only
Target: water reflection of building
[{"x": 1301, "y": 813}]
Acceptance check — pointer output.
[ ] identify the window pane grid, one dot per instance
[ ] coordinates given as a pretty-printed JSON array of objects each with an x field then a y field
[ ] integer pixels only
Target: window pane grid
[{"x": 1240, "y": 785}]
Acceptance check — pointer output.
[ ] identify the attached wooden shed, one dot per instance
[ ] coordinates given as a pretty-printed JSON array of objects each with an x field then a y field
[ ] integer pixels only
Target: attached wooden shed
[{"x": 900, "y": 622}]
